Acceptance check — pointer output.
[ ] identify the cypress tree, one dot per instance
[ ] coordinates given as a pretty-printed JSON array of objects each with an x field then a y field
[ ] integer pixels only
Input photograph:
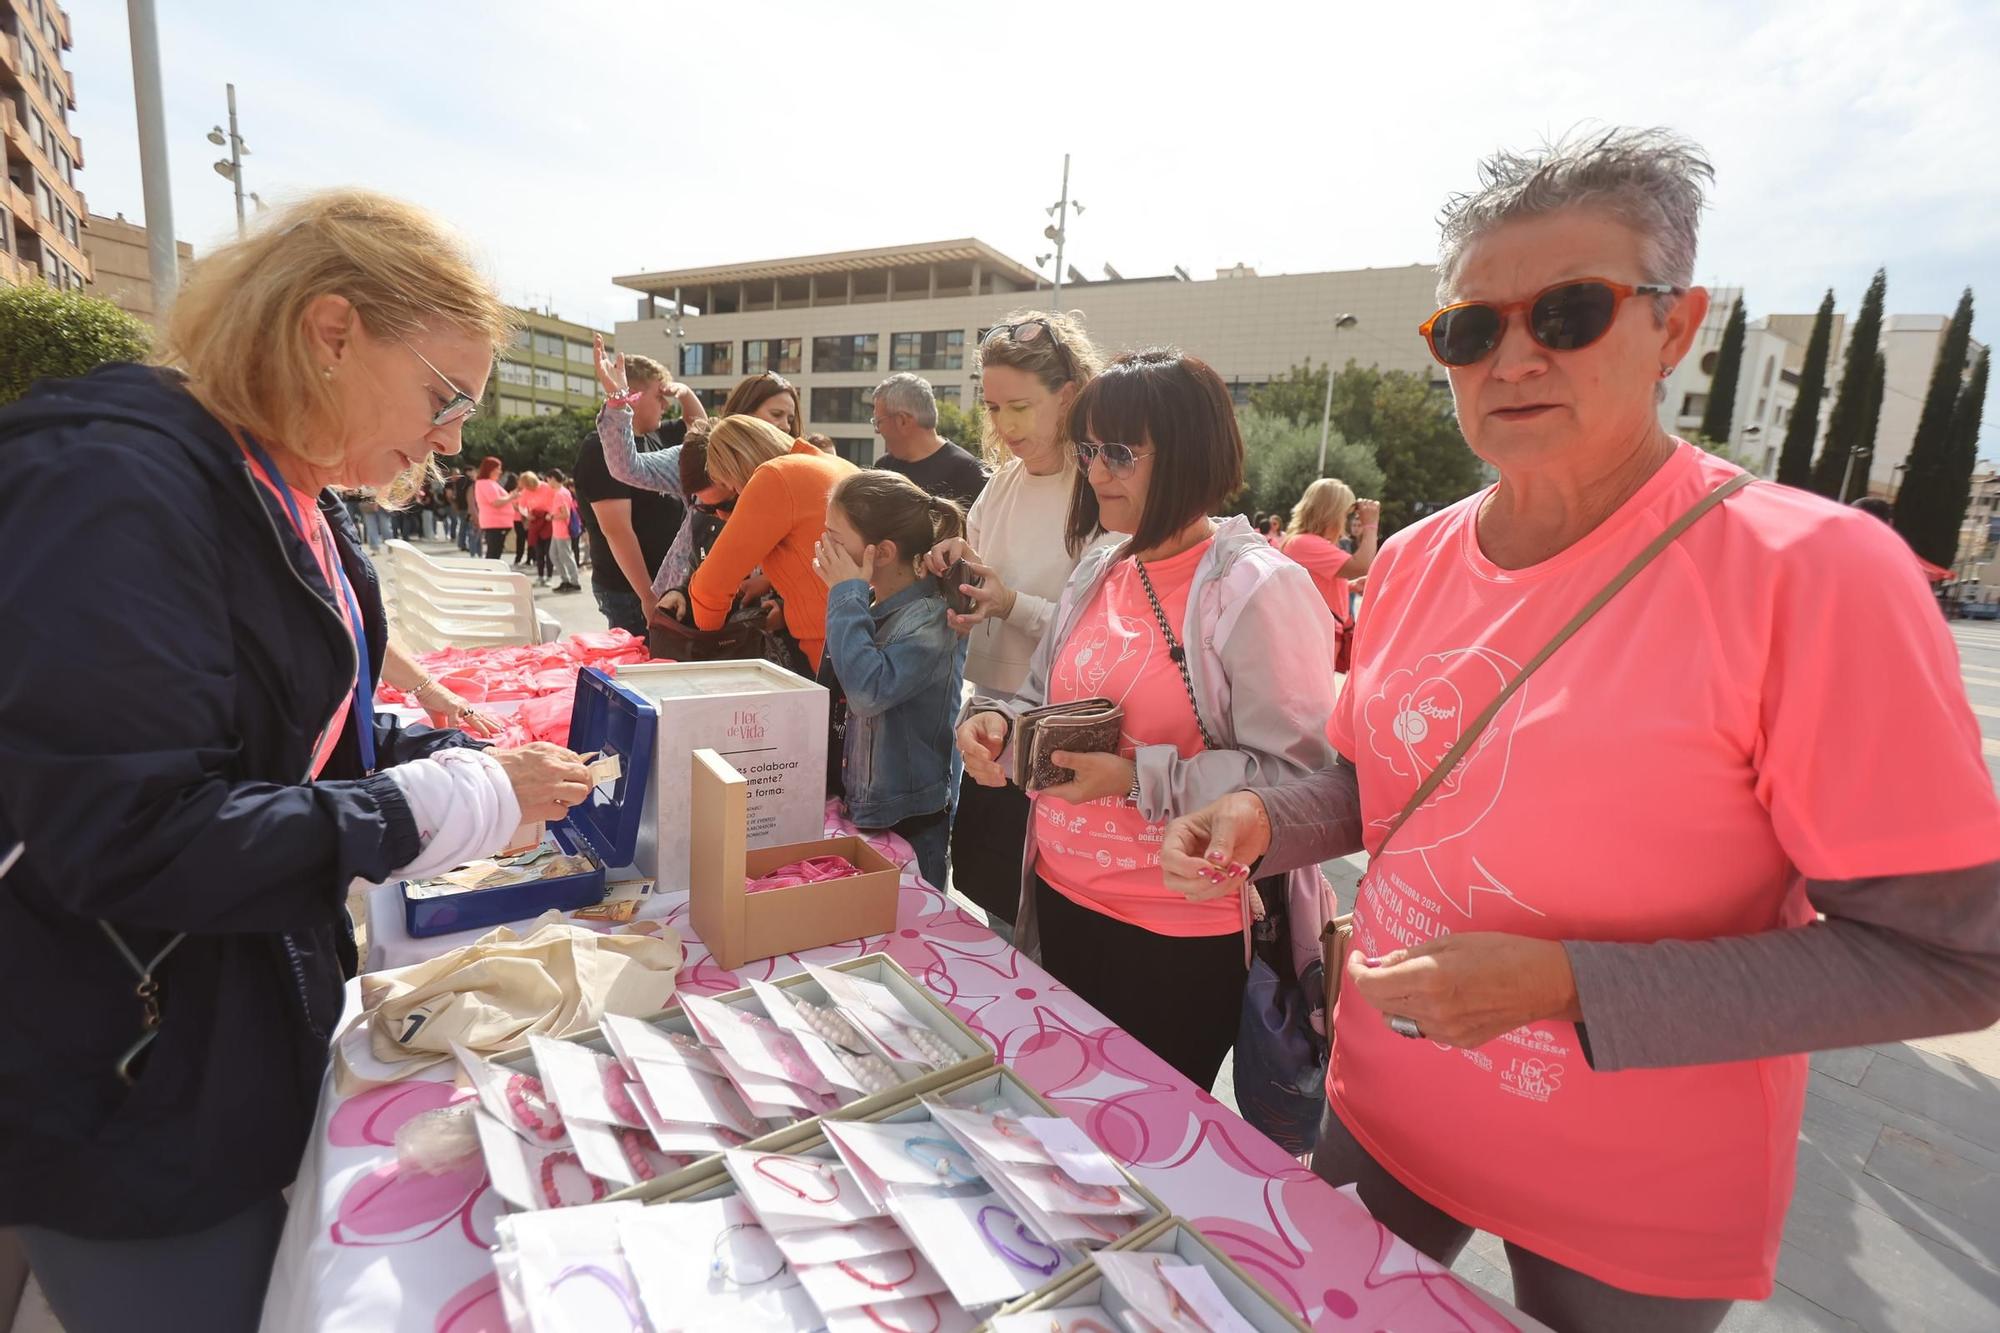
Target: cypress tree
[
  {"x": 1715, "y": 418},
  {"x": 1847, "y": 430},
  {"x": 1795, "y": 462},
  {"x": 1925, "y": 504},
  {"x": 1964, "y": 452}
]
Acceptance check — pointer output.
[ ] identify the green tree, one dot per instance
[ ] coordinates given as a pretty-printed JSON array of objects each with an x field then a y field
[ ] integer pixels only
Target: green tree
[
  {"x": 1399, "y": 418},
  {"x": 1795, "y": 460},
  {"x": 1281, "y": 458},
  {"x": 1850, "y": 431},
  {"x": 1715, "y": 418},
  {"x": 525, "y": 444},
  {"x": 1964, "y": 450},
  {"x": 1925, "y": 503},
  {"x": 964, "y": 427},
  {"x": 49, "y": 334}
]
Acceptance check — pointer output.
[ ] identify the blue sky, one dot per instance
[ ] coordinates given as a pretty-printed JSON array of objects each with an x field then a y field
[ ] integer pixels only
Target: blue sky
[{"x": 582, "y": 139}]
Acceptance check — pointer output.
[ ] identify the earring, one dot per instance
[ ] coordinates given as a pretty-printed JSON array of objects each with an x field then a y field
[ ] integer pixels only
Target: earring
[
  {"x": 1664, "y": 371},
  {"x": 326, "y": 372}
]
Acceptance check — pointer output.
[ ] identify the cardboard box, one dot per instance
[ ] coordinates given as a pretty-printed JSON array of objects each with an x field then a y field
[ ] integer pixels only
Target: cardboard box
[
  {"x": 768, "y": 723},
  {"x": 737, "y": 926}
]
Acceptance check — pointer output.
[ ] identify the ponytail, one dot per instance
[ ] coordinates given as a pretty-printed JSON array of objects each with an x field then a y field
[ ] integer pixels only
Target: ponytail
[{"x": 947, "y": 519}]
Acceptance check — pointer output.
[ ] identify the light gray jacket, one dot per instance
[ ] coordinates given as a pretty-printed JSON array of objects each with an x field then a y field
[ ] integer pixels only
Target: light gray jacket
[{"x": 1260, "y": 657}]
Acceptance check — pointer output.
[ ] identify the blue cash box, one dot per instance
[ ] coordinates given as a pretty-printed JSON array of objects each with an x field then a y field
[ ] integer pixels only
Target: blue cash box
[{"x": 607, "y": 718}]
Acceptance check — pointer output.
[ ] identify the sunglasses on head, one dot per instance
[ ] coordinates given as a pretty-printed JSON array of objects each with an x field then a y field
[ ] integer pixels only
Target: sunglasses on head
[
  {"x": 1029, "y": 333},
  {"x": 1562, "y": 318},
  {"x": 459, "y": 406},
  {"x": 1119, "y": 459}
]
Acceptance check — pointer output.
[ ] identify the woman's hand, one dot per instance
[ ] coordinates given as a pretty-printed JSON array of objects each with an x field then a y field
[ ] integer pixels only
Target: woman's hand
[
  {"x": 547, "y": 779},
  {"x": 981, "y": 737},
  {"x": 1208, "y": 854},
  {"x": 674, "y": 605},
  {"x": 991, "y": 599},
  {"x": 1097, "y": 776},
  {"x": 946, "y": 554},
  {"x": 610, "y": 370},
  {"x": 445, "y": 708},
  {"x": 1465, "y": 990},
  {"x": 753, "y": 587},
  {"x": 1368, "y": 513},
  {"x": 835, "y": 565}
]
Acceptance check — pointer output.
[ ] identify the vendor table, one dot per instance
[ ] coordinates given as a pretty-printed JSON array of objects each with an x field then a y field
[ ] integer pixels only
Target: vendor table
[{"x": 372, "y": 1248}]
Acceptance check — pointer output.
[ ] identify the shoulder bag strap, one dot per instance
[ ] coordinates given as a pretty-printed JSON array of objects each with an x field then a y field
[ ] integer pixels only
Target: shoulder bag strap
[{"x": 1492, "y": 710}]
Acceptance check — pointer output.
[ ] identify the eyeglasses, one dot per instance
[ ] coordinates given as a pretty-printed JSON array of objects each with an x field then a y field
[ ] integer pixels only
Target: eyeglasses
[
  {"x": 1119, "y": 459},
  {"x": 1028, "y": 332},
  {"x": 720, "y": 509},
  {"x": 461, "y": 404},
  {"x": 1563, "y": 318}
]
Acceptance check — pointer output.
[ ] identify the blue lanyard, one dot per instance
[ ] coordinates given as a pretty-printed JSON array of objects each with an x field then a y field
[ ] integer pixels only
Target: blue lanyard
[{"x": 364, "y": 700}]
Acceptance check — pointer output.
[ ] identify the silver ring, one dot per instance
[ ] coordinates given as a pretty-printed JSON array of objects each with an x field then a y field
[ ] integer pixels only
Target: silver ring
[{"x": 1404, "y": 1027}]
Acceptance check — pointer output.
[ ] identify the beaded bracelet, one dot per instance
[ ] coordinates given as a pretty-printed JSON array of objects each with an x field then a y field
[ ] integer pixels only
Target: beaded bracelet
[
  {"x": 566, "y": 1158},
  {"x": 522, "y": 1087}
]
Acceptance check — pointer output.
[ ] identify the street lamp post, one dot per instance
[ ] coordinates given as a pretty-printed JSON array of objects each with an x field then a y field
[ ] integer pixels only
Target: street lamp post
[
  {"x": 1058, "y": 231},
  {"x": 149, "y": 101},
  {"x": 1340, "y": 321},
  {"x": 232, "y": 170}
]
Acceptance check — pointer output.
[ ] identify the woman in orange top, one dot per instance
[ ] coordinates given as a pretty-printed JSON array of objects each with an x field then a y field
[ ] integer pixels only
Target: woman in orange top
[{"x": 781, "y": 488}]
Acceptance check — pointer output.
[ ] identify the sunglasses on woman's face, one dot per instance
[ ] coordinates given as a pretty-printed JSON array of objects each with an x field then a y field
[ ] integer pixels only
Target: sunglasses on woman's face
[
  {"x": 1119, "y": 459},
  {"x": 456, "y": 408},
  {"x": 1563, "y": 318}
]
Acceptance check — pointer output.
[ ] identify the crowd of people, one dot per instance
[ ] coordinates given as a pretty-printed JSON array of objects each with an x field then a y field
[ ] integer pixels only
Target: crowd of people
[{"x": 1617, "y": 887}]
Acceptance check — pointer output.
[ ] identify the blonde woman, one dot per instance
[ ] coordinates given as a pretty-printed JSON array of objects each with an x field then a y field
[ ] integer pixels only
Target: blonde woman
[
  {"x": 191, "y": 772},
  {"x": 1324, "y": 516},
  {"x": 1032, "y": 366},
  {"x": 776, "y": 489}
]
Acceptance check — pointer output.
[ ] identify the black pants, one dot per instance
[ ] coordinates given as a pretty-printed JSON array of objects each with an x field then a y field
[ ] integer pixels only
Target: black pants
[
  {"x": 1180, "y": 996},
  {"x": 986, "y": 842},
  {"x": 538, "y": 551},
  {"x": 520, "y": 543},
  {"x": 496, "y": 542},
  {"x": 1564, "y": 1299}
]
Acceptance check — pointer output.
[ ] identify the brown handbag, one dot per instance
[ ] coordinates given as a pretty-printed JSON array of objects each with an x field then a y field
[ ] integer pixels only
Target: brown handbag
[{"x": 1337, "y": 940}]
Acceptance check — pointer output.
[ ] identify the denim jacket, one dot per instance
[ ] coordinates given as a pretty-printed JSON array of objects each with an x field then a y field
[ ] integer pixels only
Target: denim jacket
[{"x": 900, "y": 666}]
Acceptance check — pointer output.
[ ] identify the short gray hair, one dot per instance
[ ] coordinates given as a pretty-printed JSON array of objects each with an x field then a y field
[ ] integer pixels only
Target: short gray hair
[
  {"x": 1651, "y": 180},
  {"x": 904, "y": 392}
]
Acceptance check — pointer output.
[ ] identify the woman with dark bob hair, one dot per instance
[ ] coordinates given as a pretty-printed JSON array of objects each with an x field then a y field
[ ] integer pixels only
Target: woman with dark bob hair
[{"x": 1244, "y": 705}]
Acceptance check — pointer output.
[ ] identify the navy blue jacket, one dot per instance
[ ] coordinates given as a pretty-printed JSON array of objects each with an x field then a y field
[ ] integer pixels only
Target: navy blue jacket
[{"x": 169, "y": 652}]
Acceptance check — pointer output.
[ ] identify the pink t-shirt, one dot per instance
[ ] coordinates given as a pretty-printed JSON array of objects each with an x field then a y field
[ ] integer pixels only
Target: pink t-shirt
[
  {"x": 1104, "y": 854},
  {"x": 490, "y": 499},
  {"x": 319, "y": 538},
  {"x": 1324, "y": 561},
  {"x": 1776, "y": 696}
]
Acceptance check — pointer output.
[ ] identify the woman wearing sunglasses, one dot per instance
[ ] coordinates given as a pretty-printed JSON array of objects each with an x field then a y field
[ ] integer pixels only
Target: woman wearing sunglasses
[
  {"x": 191, "y": 769},
  {"x": 1220, "y": 653},
  {"x": 1714, "y": 830},
  {"x": 1032, "y": 366}
]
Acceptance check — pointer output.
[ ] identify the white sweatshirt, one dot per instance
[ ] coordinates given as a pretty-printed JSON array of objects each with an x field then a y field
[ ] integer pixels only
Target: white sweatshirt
[{"x": 1016, "y": 526}]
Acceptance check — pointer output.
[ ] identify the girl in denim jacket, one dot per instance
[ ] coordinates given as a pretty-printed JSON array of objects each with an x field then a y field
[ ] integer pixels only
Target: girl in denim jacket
[{"x": 891, "y": 652}]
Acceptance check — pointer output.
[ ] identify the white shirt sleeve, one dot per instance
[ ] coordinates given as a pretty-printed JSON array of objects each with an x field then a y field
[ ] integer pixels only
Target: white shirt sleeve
[{"x": 464, "y": 806}]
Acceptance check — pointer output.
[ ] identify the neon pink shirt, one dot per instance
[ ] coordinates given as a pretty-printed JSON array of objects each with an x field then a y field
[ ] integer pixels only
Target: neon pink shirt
[
  {"x": 1104, "y": 854},
  {"x": 319, "y": 538},
  {"x": 495, "y": 509},
  {"x": 1775, "y": 697},
  {"x": 1324, "y": 561}
]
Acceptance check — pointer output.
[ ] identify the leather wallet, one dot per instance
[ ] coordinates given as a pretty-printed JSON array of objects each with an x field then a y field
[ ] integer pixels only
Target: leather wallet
[{"x": 1086, "y": 726}]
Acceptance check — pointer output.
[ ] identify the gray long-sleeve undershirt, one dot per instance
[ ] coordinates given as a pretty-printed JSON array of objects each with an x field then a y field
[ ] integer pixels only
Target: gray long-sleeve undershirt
[{"x": 1893, "y": 958}]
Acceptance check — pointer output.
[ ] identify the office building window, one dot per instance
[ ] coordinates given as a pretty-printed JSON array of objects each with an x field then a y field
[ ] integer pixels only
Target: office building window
[
  {"x": 856, "y": 449},
  {"x": 6, "y": 232},
  {"x": 1694, "y": 404},
  {"x": 843, "y": 405},
  {"x": 712, "y": 399},
  {"x": 549, "y": 344},
  {"x": 578, "y": 352},
  {"x": 513, "y": 372},
  {"x": 946, "y": 393},
  {"x": 779, "y": 354},
  {"x": 547, "y": 409},
  {"x": 942, "y": 350},
  {"x": 708, "y": 359},
  {"x": 547, "y": 379},
  {"x": 859, "y": 351},
  {"x": 582, "y": 384}
]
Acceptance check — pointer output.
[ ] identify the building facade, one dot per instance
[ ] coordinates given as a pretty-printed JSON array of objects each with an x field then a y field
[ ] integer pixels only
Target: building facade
[
  {"x": 546, "y": 368},
  {"x": 837, "y": 324},
  {"x": 42, "y": 213},
  {"x": 122, "y": 266}
]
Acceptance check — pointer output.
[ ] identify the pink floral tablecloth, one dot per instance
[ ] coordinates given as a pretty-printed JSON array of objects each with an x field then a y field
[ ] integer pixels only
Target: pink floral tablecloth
[{"x": 370, "y": 1247}]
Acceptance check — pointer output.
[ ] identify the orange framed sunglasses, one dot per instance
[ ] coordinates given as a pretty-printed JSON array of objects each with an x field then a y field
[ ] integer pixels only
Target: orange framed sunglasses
[{"x": 1562, "y": 318}]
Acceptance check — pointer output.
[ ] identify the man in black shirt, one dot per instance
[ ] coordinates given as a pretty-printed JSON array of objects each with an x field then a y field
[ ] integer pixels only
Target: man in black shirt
[
  {"x": 631, "y": 528},
  {"x": 906, "y": 419}
]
